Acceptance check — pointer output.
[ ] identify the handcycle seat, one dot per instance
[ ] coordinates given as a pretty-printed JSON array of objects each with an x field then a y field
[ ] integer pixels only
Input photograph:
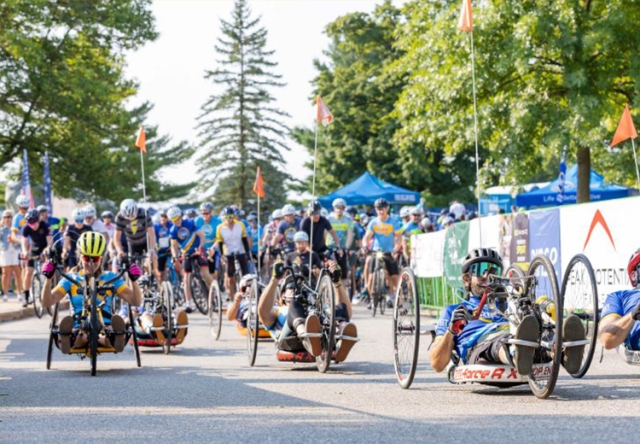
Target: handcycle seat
[
  {"x": 262, "y": 332},
  {"x": 300, "y": 356},
  {"x": 87, "y": 351}
]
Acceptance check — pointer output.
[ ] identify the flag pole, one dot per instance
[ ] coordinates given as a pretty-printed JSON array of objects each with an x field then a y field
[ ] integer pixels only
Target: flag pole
[
  {"x": 635, "y": 157},
  {"x": 259, "y": 239},
  {"x": 144, "y": 188},
  {"x": 475, "y": 126}
]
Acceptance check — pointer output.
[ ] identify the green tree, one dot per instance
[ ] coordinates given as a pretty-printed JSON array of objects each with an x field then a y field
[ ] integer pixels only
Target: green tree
[
  {"x": 63, "y": 91},
  {"x": 550, "y": 74},
  {"x": 239, "y": 128}
]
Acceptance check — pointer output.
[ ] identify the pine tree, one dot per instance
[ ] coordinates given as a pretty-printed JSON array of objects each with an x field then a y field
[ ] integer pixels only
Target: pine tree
[{"x": 240, "y": 128}]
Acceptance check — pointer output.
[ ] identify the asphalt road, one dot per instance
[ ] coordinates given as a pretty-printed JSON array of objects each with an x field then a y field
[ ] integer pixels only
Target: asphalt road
[{"x": 206, "y": 392}]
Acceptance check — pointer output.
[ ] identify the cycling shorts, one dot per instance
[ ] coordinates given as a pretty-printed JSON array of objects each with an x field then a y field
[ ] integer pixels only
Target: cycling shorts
[
  {"x": 198, "y": 260},
  {"x": 389, "y": 263}
]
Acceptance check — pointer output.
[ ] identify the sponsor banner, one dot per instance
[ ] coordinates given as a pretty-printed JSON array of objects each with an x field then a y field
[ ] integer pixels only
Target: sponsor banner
[
  {"x": 490, "y": 232},
  {"x": 519, "y": 247},
  {"x": 426, "y": 255},
  {"x": 544, "y": 237},
  {"x": 607, "y": 233},
  {"x": 456, "y": 248}
]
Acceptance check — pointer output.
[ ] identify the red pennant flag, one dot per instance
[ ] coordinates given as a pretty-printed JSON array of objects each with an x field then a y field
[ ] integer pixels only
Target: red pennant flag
[
  {"x": 324, "y": 115},
  {"x": 257, "y": 186},
  {"x": 141, "y": 141},
  {"x": 625, "y": 130},
  {"x": 466, "y": 20}
]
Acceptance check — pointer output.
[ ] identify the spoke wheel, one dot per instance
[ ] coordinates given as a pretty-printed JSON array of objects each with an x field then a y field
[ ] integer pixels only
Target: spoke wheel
[
  {"x": 326, "y": 308},
  {"x": 36, "y": 294},
  {"x": 199, "y": 293},
  {"x": 166, "y": 297},
  {"x": 134, "y": 335},
  {"x": 406, "y": 328},
  {"x": 580, "y": 297},
  {"x": 382, "y": 291},
  {"x": 253, "y": 322},
  {"x": 215, "y": 310},
  {"x": 54, "y": 322},
  {"x": 546, "y": 284}
]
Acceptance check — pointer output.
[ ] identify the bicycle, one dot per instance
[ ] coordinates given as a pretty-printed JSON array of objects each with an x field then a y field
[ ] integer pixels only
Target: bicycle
[
  {"x": 199, "y": 290},
  {"x": 175, "y": 280},
  {"x": 378, "y": 286},
  {"x": 37, "y": 283}
]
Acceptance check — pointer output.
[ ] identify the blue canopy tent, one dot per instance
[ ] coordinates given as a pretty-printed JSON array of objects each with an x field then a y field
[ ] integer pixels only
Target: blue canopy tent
[
  {"x": 548, "y": 196},
  {"x": 367, "y": 188}
]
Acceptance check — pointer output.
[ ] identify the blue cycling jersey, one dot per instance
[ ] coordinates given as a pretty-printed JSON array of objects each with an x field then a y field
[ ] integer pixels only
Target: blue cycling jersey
[
  {"x": 163, "y": 236},
  {"x": 618, "y": 304},
  {"x": 384, "y": 233},
  {"x": 186, "y": 236},
  {"x": 209, "y": 229},
  {"x": 255, "y": 234},
  {"x": 281, "y": 313}
]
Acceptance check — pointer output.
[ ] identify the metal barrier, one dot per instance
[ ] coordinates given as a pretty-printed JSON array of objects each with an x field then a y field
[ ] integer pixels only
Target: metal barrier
[{"x": 436, "y": 293}]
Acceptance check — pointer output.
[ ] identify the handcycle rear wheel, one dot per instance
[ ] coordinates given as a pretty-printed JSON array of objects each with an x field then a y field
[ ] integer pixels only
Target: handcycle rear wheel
[
  {"x": 166, "y": 293},
  {"x": 253, "y": 322},
  {"x": 215, "y": 310},
  {"x": 406, "y": 328},
  {"x": 546, "y": 284},
  {"x": 54, "y": 321},
  {"x": 36, "y": 294},
  {"x": 580, "y": 297},
  {"x": 326, "y": 308}
]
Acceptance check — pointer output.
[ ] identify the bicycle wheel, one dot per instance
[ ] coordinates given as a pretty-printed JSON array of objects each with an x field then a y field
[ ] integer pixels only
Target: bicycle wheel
[
  {"x": 134, "y": 335},
  {"x": 215, "y": 310},
  {"x": 382, "y": 294},
  {"x": 94, "y": 324},
  {"x": 54, "y": 321},
  {"x": 166, "y": 304},
  {"x": 199, "y": 293},
  {"x": 36, "y": 294},
  {"x": 406, "y": 328},
  {"x": 580, "y": 297},
  {"x": 548, "y": 356},
  {"x": 326, "y": 308},
  {"x": 253, "y": 322}
]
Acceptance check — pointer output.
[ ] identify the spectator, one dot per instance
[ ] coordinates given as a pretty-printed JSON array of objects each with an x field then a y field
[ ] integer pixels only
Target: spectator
[
  {"x": 457, "y": 209},
  {"x": 9, "y": 256},
  {"x": 427, "y": 225},
  {"x": 447, "y": 222}
]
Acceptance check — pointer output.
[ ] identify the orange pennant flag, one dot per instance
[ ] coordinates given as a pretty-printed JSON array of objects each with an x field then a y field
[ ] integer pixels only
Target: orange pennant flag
[
  {"x": 324, "y": 115},
  {"x": 625, "y": 130},
  {"x": 257, "y": 186},
  {"x": 141, "y": 141},
  {"x": 466, "y": 20}
]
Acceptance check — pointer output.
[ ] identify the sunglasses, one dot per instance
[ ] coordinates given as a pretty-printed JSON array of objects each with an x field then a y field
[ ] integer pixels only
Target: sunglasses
[
  {"x": 79, "y": 221},
  {"x": 485, "y": 269},
  {"x": 229, "y": 217},
  {"x": 6, "y": 217},
  {"x": 94, "y": 259}
]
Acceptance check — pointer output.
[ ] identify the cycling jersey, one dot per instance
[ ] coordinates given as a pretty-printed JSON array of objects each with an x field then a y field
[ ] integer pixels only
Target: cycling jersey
[
  {"x": 54, "y": 223},
  {"x": 409, "y": 229},
  {"x": 75, "y": 294},
  {"x": 99, "y": 227},
  {"x": 288, "y": 230},
  {"x": 383, "y": 233},
  {"x": 320, "y": 229},
  {"x": 38, "y": 236},
  {"x": 185, "y": 235},
  {"x": 298, "y": 259},
  {"x": 163, "y": 236},
  {"x": 111, "y": 229},
  {"x": 474, "y": 331},
  {"x": 18, "y": 223},
  {"x": 343, "y": 226},
  {"x": 358, "y": 233},
  {"x": 135, "y": 230},
  {"x": 255, "y": 234},
  {"x": 73, "y": 233},
  {"x": 209, "y": 229},
  {"x": 280, "y": 313},
  {"x": 620, "y": 303},
  {"x": 231, "y": 237}
]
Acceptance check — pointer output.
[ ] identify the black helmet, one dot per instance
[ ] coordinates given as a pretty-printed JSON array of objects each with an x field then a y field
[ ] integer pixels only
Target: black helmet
[
  {"x": 32, "y": 216},
  {"x": 228, "y": 211},
  {"x": 481, "y": 255},
  {"x": 314, "y": 206},
  {"x": 381, "y": 203},
  {"x": 351, "y": 210}
]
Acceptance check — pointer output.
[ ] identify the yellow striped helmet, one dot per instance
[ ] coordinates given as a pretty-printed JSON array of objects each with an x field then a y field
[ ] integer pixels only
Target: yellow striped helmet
[{"x": 91, "y": 244}]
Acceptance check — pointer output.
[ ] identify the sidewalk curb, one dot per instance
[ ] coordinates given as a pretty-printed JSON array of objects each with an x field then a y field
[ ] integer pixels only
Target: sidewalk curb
[{"x": 27, "y": 312}]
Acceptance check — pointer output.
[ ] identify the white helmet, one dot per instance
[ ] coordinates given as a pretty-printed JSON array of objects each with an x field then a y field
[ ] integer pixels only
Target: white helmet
[
  {"x": 415, "y": 211},
  {"x": 324, "y": 212},
  {"x": 339, "y": 202},
  {"x": 426, "y": 222},
  {"x": 288, "y": 210},
  {"x": 77, "y": 214},
  {"x": 364, "y": 219},
  {"x": 23, "y": 201},
  {"x": 246, "y": 280},
  {"x": 405, "y": 212},
  {"x": 277, "y": 214},
  {"x": 129, "y": 209},
  {"x": 89, "y": 211},
  {"x": 174, "y": 213},
  {"x": 301, "y": 236}
]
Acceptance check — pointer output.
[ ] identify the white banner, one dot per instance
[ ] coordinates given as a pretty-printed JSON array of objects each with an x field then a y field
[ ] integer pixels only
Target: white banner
[
  {"x": 490, "y": 232},
  {"x": 426, "y": 255}
]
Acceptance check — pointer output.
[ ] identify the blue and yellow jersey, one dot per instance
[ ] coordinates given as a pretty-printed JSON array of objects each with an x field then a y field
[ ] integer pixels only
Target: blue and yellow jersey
[
  {"x": 186, "y": 236},
  {"x": 474, "y": 331},
  {"x": 75, "y": 293},
  {"x": 18, "y": 223},
  {"x": 163, "y": 237},
  {"x": 281, "y": 313},
  {"x": 620, "y": 303},
  {"x": 209, "y": 229},
  {"x": 384, "y": 233},
  {"x": 409, "y": 229},
  {"x": 342, "y": 227}
]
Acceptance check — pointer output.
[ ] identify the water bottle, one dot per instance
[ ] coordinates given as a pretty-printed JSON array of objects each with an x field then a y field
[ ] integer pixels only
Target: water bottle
[{"x": 547, "y": 306}]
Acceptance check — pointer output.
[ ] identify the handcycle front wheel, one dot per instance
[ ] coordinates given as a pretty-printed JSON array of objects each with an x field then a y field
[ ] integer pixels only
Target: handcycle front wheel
[
  {"x": 215, "y": 310},
  {"x": 326, "y": 307},
  {"x": 253, "y": 322},
  {"x": 406, "y": 328},
  {"x": 54, "y": 322},
  {"x": 166, "y": 296},
  {"x": 36, "y": 294}
]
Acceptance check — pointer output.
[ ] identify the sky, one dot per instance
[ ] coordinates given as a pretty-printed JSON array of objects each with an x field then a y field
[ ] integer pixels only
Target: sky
[{"x": 170, "y": 70}]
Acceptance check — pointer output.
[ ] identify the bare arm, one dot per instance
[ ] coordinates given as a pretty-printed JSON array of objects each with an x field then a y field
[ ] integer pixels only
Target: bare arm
[
  {"x": 276, "y": 240},
  {"x": 116, "y": 240},
  {"x": 25, "y": 245},
  {"x": 367, "y": 238},
  {"x": 267, "y": 301},
  {"x": 614, "y": 331},
  {"x": 49, "y": 297},
  {"x": 441, "y": 351},
  {"x": 132, "y": 295},
  {"x": 232, "y": 310},
  {"x": 335, "y": 237}
]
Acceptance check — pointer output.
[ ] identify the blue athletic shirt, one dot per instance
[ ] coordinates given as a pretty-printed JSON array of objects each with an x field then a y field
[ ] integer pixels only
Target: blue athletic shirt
[
  {"x": 409, "y": 229},
  {"x": 185, "y": 235},
  {"x": 383, "y": 233},
  {"x": 255, "y": 234},
  {"x": 342, "y": 227},
  {"x": 288, "y": 231},
  {"x": 359, "y": 232},
  {"x": 209, "y": 229},
  {"x": 54, "y": 223},
  {"x": 474, "y": 331},
  {"x": 163, "y": 237},
  {"x": 618, "y": 304},
  {"x": 75, "y": 294},
  {"x": 281, "y": 313},
  {"x": 18, "y": 223}
]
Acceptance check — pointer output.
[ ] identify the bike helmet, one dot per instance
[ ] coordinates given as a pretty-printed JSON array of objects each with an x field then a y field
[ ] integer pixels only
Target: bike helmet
[
  {"x": 92, "y": 244},
  {"x": 426, "y": 223},
  {"x": 206, "y": 206},
  {"x": 415, "y": 211},
  {"x": 32, "y": 216},
  {"x": 381, "y": 203},
  {"x": 89, "y": 211},
  {"x": 191, "y": 213},
  {"x": 633, "y": 269},
  {"x": 301, "y": 236},
  {"x": 23, "y": 201},
  {"x": 77, "y": 214},
  {"x": 129, "y": 209},
  {"x": 241, "y": 213},
  {"x": 404, "y": 212},
  {"x": 339, "y": 202},
  {"x": 252, "y": 217},
  {"x": 228, "y": 211},
  {"x": 364, "y": 219},
  {"x": 481, "y": 255},
  {"x": 277, "y": 214},
  {"x": 288, "y": 210},
  {"x": 174, "y": 213},
  {"x": 42, "y": 209},
  {"x": 314, "y": 207},
  {"x": 351, "y": 210},
  {"x": 106, "y": 214},
  {"x": 246, "y": 280}
]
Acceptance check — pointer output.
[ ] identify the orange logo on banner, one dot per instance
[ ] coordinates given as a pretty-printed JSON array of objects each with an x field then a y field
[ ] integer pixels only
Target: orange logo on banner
[{"x": 598, "y": 218}]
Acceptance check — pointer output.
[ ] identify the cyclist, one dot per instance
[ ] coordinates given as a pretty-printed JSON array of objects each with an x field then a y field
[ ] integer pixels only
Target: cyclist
[
  {"x": 287, "y": 228},
  {"x": 385, "y": 231},
  {"x": 408, "y": 229},
  {"x": 95, "y": 224},
  {"x": 287, "y": 320},
  {"x": 269, "y": 235},
  {"x": 53, "y": 222},
  {"x": 18, "y": 223},
  {"x": 232, "y": 235},
  {"x": 91, "y": 247},
  {"x": 71, "y": 236},
  {"x": 162, "y": 231},
  {"x": 344, "y": 228},
  {"x": 136, "y": 225},
  {"x": 208, "y": 223},
  {"x": 254, "y": 230},
  {"x": 321, "y": 228},
  {"x": 36, "y": 241},
  {"x": 190, "y": 214},
  {"x": 187, "y": 239},
  {"x": 484, "y": 339}
]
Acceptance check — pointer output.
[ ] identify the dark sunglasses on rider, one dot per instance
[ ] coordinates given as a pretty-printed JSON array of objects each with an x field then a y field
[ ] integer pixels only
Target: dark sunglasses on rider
[
  {"x": 94, "y": 259},
  {"x": 485, "y": 269},
  {"x": 206, "y": 213},
  {"x": 229, "y": 217}
]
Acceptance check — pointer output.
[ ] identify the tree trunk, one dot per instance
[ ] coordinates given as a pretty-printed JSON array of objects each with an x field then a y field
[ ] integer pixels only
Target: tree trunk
[{"x": 584, "y": 175}]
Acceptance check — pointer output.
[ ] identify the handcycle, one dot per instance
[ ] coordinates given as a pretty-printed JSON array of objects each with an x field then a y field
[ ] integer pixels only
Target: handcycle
[
  {"x": 514, "y": 296},
  {"x": 91, "y": 321}
]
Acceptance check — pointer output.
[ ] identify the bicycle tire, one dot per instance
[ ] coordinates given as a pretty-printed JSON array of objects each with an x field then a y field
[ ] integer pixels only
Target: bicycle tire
[
  {"x": 542, "y": 268},
  {"x": 134, "y": 335},
  {"x": 326, "y": 307},
  {"x": 406, "y": 325},
  {"x": 167, "y": 302},
  {"x": 253, "y": 322},
  {"x": 36, "y": 294},
  {"x": 215, "y": 310},
  {"x": 382, "y": 299},
  {"x": 199, "y": 294},
  {"x": 589, "y": 314},
  {"x": 94, "y": 323},
  {"x": 54, "y": 320}
]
